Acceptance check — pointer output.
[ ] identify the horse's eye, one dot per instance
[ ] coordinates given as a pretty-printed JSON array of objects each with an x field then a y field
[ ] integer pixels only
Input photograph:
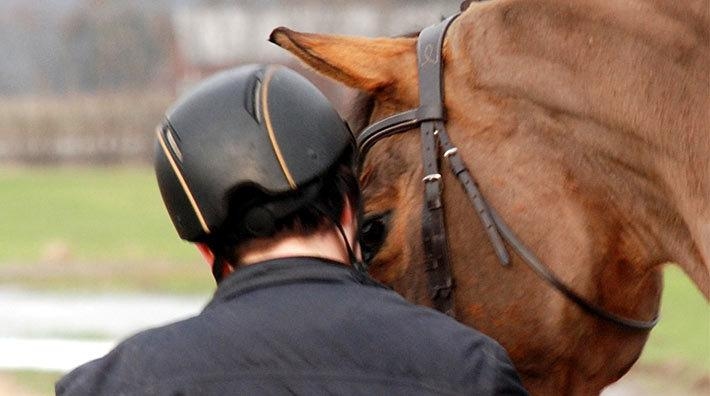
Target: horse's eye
[{"x": 372, "y": 234}]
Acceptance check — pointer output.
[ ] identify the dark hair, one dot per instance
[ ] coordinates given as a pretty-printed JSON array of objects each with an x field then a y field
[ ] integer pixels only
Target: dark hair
[{"x": 323, "y": 207}]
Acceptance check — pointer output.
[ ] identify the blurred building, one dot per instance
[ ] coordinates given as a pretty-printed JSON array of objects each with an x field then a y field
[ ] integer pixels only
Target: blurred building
[{"x": 209, "y": 38}]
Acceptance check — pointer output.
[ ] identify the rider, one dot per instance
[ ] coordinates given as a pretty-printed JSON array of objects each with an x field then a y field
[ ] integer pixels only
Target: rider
[{"x": 256, "y": 168}]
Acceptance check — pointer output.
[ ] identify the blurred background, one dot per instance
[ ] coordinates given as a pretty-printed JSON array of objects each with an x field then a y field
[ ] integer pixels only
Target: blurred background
[{"x": 87, "y": 252}]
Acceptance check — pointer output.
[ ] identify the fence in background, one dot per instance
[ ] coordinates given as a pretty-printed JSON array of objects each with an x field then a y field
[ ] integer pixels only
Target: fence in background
[{"x": 110, "y": 128}]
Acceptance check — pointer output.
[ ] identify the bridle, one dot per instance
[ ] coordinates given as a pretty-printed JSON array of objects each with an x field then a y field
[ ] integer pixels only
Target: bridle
[{"x": 430, "y": 116}]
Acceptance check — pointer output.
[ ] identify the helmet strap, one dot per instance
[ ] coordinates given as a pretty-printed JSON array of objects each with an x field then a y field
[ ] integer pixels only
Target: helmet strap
[
  {"x": 356, "y": 264},
  {"x": 218, "y": 267}
]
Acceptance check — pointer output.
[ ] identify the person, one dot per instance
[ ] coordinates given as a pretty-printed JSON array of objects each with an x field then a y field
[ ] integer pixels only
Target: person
[{"x": 257, "y": 168}]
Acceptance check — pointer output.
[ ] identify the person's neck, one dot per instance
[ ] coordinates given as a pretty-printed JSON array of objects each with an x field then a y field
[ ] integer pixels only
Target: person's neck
[{"x": 327, "y": 244}]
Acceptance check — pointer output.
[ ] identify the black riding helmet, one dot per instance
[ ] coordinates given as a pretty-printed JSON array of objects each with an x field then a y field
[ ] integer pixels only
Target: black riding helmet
[{"x": 258, "y": 126}]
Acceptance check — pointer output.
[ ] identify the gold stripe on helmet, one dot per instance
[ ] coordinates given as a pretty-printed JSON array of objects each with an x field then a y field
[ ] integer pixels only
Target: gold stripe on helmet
[
  {"x": 196, "y": 208},
  {"x": 270, "y": 129}
]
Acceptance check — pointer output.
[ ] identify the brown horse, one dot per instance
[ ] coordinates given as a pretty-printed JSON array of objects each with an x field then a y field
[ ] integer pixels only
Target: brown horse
[{"x": 586, "y": 125}]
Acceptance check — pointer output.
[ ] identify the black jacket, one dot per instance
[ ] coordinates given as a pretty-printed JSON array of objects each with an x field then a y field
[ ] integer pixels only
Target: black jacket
[{"x": 302, "y": 326}]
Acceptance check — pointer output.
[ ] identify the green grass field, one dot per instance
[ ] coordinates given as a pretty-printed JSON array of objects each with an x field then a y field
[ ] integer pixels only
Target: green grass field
[
  {"x": 95, "y": 214},
  {"x": 106, "y": 228},
  {"x": 683, "y": 334},
  {"x": 92, "y": 228}
]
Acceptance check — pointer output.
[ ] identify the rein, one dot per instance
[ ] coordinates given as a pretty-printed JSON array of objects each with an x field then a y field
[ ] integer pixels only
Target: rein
[{"x": 430, "y": 116}]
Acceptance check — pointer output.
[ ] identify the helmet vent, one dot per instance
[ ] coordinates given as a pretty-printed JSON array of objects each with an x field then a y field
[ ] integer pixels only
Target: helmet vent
[
  {"x": 254, "y": 101},
  {"x": 173, "y": 144}
]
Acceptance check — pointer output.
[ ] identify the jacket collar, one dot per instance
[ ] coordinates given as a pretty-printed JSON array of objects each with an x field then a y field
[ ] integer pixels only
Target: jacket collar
[{"x": 285, "y": 271}]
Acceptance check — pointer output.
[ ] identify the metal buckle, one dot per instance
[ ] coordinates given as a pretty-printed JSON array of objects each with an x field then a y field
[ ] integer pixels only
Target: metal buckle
[
  {"x": 431, "y": 178},
  {"x": 448, "y": 153}
]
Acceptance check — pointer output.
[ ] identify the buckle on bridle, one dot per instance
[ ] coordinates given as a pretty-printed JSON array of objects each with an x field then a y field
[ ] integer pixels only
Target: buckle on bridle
[
  {"x": 432, "y": 177},
  {"x": 448, "y": 153},
  {"x": 443, "y": 288}
]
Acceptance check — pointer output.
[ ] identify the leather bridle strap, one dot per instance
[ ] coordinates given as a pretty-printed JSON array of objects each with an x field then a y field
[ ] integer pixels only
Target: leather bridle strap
[
  {"x": 431, "y": 110},
  {"x": 431, "y": 118}
]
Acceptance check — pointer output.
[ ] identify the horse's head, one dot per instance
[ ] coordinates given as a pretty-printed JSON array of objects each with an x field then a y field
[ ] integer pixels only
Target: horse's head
[
  {"x": 385, "y": 70},
  {"x": 535, "y": 107}
]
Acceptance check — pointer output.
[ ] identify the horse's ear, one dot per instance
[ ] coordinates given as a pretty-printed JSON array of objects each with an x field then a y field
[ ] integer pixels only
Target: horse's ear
[{"x": 368, "y": 64}]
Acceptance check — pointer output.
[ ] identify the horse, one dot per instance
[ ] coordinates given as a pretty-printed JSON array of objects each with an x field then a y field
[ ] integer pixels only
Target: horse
[{"x": 586, "y": 127}]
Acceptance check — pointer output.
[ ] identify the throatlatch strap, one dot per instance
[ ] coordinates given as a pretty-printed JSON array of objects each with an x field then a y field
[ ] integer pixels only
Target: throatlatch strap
[{"x": 459, "y": 169}]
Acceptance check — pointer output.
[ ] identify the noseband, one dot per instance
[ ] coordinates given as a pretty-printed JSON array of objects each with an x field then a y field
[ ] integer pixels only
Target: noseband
[{"x": 430, "y": 116}]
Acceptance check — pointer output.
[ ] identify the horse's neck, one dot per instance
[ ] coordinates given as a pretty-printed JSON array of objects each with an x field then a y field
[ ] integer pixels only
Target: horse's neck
[
  {"x": 658, "y": 197},
  {"x": 633, "y": 77}
]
